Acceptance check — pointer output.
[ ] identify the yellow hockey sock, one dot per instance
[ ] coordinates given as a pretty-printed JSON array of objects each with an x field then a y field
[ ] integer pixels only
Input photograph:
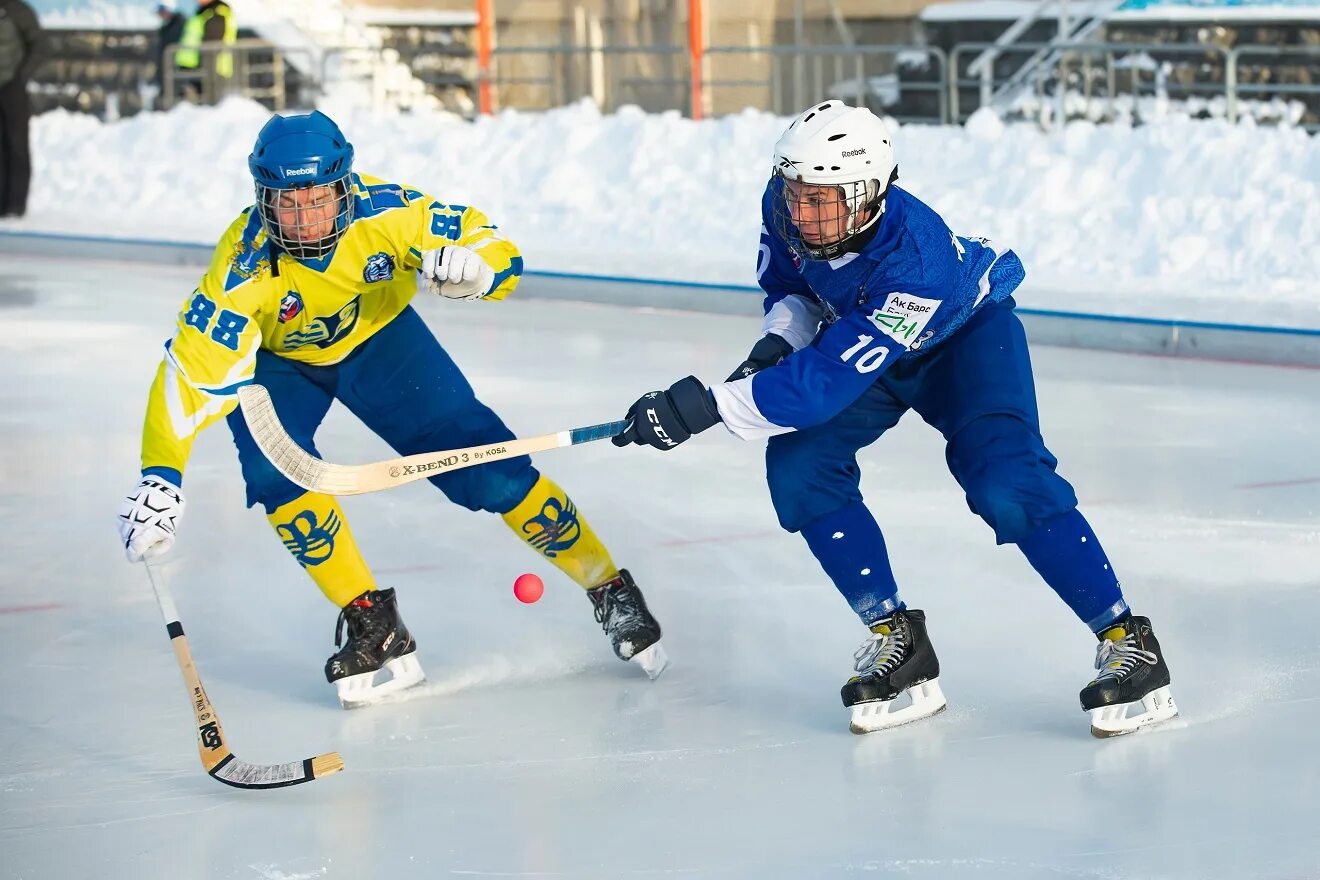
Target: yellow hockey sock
[
  {"x": 549, "y": 522},
  {"x": 314, "y": 530}
]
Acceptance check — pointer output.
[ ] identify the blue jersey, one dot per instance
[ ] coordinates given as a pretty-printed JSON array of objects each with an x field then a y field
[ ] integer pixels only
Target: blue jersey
[{"x": 849, "y": 319}]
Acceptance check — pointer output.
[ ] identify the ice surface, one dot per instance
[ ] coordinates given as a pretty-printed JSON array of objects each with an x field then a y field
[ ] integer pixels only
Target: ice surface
[{"x": 533, "y": 752}]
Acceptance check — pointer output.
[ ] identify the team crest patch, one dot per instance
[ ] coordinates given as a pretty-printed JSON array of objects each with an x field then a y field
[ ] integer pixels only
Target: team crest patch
[
  {"x": 324, "y": 331},
  {"x": 244, "y": 263},
  {"x": 290, "y": 307},
  {"x": 380, "y": 267}
]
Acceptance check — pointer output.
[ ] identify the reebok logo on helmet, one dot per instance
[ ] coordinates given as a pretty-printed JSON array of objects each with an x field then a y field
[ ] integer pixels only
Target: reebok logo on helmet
[
  {"x": 298, "y": 172},
  {"x": 858, "y": 152}
]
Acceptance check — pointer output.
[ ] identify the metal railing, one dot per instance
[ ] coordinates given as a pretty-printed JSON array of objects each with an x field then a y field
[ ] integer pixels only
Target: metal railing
[
  {"x": 791, "y": 76},
  {"x": 808, "y": 73},
  {"x": 611, "y": 75},
  {"x": 783, "y": 79},
  {"x": 1115, "y": 57},
  {"x": 921, "y": 84},
  {"x": 1072, "y": 30},
  {"x": 1235, "y": 88},
  {"x": 258, "y": 73}
]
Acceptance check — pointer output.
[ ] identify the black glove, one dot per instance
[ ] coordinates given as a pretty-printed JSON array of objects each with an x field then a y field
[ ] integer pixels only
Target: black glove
[
  {"x": 768, "y": 351},
  {"x": 664, "y": 419}
]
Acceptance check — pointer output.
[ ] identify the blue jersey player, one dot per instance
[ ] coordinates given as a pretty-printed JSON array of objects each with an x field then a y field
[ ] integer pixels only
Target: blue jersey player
[{"x": 874, "y": 307}]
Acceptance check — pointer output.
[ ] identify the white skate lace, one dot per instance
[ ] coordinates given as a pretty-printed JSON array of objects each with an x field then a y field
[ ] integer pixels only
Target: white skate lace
[
  {"x": 1117, "y": 659},
  {"x": 881, "y": 653}
]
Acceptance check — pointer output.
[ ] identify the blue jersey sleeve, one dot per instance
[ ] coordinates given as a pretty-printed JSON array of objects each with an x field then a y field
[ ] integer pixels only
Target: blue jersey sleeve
[{"x": 813, "y": 385}]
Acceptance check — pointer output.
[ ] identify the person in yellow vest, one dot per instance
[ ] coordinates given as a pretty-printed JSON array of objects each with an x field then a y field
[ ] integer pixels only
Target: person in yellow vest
[{"x": 212, "y": 23}]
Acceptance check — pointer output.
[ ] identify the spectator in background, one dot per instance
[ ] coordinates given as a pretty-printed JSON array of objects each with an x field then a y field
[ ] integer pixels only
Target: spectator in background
[
  {"x": 212, "y": 23},
  {"x": 21, "y": 45},
  {"x": 170, "y": 33}
]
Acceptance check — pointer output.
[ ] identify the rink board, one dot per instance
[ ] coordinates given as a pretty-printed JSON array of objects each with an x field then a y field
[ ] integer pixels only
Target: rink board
[{"x": 1288, "y": 346}]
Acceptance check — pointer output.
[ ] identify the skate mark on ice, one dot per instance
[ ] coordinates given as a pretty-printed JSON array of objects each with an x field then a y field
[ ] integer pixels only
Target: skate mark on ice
[
  {"x": 24, "y": 609},
  {"x": 1261, "y": 690},
  {"x": 123, "y": 820},
  {"x": 493, "y": 670},
  {"x": 1280, "y": 484},
  {"x": 719, "y": 539},
  {"x": 412, "y": 569},
  {"x": 639, "y": 756}
]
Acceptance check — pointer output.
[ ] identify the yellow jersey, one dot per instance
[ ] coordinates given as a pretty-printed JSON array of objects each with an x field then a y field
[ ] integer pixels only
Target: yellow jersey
[{"x": 311, "y": 311}]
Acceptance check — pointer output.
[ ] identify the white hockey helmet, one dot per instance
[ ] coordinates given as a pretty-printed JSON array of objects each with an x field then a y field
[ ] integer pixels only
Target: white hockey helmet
[{"x": 833, "y": 168}]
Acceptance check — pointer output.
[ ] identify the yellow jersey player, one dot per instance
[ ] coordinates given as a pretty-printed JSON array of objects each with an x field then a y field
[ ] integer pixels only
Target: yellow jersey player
[{"x": 308, "y": 294}]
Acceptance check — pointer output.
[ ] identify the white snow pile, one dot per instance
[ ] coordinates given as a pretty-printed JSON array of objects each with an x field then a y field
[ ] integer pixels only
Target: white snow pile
[{"x": 1105, "y": 217}]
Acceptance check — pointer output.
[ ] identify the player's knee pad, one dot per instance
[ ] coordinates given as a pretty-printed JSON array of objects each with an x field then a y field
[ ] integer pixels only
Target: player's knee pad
[
  {"x": 264, "y": 484},
  {"x": 1004, "y": 511},
  {"x": 806, "y": 482},
  {"x": 497, "y": 487},
  {"x": 268, "y": 487},
  {"x": 1002, "y": 464}
]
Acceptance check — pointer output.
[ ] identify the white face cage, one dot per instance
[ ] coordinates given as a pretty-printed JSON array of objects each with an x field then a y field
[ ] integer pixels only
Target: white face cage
[
  {"x": 821, "y": 221},
  {"x": 306, "y": 222}
]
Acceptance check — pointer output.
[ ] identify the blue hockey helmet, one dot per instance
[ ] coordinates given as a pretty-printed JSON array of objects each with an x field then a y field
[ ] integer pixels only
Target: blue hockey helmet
[{"x": 302, "y": 167}]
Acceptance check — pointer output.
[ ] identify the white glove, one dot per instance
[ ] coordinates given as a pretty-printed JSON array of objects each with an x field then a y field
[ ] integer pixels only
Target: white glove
[
  {"x": 457, "y": 272},
  {"x": 148, "y": 518}
]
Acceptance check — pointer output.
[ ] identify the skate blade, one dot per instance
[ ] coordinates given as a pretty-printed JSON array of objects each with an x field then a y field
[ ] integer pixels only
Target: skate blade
[
  {"x": 927, "y": 700},
  {"x": 1158, "y": 706},
  {"x": 653, "y": 660},
  {"x": 357, "y": 691}
]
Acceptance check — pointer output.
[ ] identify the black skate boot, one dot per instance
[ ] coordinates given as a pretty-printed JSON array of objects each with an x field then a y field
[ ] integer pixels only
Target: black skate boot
[
  {"x": 376, "y": 638},
  {"x": 896, "y": 659},
  {"x": 1132, "y": 674},
  {"x": 621, "y": 611}
]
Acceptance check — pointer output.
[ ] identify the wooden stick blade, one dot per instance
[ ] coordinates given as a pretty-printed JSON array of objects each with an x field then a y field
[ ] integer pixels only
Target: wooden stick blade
[
  {"x": 241, "y": 774},
  {"x": 290, "y": 459}
]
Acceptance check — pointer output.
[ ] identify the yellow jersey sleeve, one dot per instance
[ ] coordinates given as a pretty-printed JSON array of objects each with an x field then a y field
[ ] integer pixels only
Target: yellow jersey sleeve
[
  {"x": 429, "y": 224},
  {"x": 212, "y": 353}
]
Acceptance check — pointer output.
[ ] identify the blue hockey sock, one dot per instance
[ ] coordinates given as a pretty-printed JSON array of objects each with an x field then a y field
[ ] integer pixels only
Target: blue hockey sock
[
  {"x": 851, "y": 549},
  {"x": 1067, "y": 554}
]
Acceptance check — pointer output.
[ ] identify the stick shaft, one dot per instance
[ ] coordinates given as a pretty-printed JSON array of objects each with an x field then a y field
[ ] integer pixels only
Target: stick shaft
[
  {"x": 211, "y": 744},
  {"x": 216, "y": 757},
  {"x": 313, "y": 474}
]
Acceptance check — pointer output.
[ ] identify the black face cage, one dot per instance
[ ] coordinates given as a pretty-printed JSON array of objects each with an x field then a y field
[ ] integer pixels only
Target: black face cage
[
  {"x": 286, "y": 237},
  {"x": 829, "y": 228}
]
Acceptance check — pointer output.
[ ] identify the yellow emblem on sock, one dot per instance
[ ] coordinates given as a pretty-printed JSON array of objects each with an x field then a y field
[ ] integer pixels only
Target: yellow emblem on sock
[
  {"x": 314, "y": 530},
  {"x": 548, "y": 521}
]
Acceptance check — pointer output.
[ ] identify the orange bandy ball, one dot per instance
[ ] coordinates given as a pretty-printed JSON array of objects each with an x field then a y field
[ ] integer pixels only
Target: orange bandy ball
[{"x": 528, "y": 588}]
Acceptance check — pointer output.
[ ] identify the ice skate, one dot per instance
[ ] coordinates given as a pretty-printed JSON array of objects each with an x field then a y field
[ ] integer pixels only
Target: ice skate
[
  {"x": 898, "y": 675},
  {"x": 1131, "y": 690},
  {"x": 377, "y": 639},
  {"x": 635, "y": 634}
]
